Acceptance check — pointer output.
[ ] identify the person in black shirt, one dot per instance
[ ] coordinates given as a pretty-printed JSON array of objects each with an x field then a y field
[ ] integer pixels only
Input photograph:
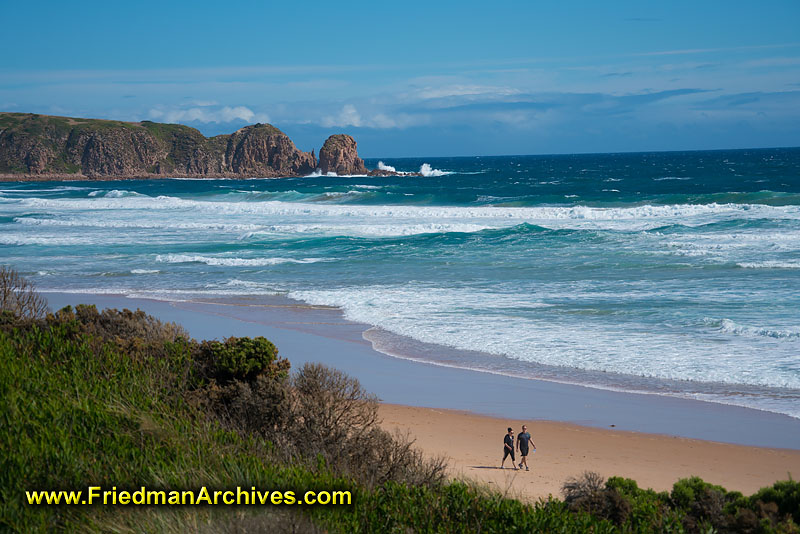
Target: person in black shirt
[
  {"x": 508, "y": 448},
  {"x": 523, "y": 441}
]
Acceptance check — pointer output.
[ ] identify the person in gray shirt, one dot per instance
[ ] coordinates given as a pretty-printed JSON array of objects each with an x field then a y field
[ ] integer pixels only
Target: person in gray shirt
[{"x": 524, "y": 440}]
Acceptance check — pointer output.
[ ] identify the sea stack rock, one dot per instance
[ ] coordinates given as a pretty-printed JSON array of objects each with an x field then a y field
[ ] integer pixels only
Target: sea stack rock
[
  {"x": 339, "y": 155},
  {"x": 263, "y": 150}
]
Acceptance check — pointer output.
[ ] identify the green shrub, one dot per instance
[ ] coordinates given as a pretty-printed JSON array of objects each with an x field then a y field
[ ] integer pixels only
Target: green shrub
[
  {"x": 241, "y": 358},
  {"x": 785, "y": 495},
  {"x": 648, "y": 509}
]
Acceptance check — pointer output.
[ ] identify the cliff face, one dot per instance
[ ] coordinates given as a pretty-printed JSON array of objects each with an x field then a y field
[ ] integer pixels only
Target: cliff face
[
  {"x": 339, "y": 155},
  {"x": 262, "y": 149},
  {"x": 38, "y": 145}
]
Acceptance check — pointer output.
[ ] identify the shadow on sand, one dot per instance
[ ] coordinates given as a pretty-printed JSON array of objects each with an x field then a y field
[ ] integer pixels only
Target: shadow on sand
[{"x": 492, "y": 467}]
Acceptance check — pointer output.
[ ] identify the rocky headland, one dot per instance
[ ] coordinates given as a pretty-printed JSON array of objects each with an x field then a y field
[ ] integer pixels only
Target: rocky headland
[{"x": 42, "y": 147}]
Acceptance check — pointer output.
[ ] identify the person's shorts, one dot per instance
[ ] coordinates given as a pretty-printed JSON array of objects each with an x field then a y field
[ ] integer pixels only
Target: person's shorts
[
  {"x": 507, "y": 452},
  {"x": 523, "y": 452}
]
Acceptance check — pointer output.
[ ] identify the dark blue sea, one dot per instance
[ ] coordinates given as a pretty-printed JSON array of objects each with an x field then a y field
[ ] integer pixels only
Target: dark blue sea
[{"x": 667, "y": 273}]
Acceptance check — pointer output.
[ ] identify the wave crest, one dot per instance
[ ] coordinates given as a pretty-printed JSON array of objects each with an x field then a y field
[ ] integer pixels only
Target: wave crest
[
  {"x": 730, "y": 327},
  {"x": 231, "y": 262}
]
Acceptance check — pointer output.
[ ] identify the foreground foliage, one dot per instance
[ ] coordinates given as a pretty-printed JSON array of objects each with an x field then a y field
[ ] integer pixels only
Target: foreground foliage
[{"x": 121, "y": 399}]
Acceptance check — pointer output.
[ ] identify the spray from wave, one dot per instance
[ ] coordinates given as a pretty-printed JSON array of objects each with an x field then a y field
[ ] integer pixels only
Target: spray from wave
[
  {"x": 383, "y": 167},
  {"x": 427, "y": 171},
  {"x": 318, "y": 173}
]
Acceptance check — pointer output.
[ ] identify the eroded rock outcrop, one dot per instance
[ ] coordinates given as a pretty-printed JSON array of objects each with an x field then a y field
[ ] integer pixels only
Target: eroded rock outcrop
[
  {"x": 40, "y": 146},
  {"x": 264, "y": 150},
  {"x": 339, "y": 154}
]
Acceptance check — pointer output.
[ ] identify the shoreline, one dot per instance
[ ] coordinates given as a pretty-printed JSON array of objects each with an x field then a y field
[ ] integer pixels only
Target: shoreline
[{"x": 305, "y": 333}]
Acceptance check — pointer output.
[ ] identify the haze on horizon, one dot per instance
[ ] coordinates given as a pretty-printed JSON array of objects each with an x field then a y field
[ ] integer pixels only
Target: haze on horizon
[{"x": 421, "y": 79}]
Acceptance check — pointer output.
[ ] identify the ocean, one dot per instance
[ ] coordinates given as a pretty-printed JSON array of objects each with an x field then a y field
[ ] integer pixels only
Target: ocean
[{"x": 665, "y": 273}]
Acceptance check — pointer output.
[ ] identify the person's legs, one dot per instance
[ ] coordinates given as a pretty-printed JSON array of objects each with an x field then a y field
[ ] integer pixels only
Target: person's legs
[{"x": 505, "y": 455}]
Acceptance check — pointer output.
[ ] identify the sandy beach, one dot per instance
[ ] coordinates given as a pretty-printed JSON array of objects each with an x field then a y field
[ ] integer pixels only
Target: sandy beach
[{"x": 472, "y": 445}]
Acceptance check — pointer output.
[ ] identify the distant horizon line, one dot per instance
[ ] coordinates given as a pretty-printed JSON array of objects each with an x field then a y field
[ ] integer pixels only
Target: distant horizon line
[{"x": 627, "y": 152}]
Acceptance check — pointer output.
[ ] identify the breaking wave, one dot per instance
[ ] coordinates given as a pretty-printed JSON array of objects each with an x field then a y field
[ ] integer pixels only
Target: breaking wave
[
  {"x": 769, "y": 265},
  {"x": 231, "y": 262},
  {"x": 730, "y": 327}
]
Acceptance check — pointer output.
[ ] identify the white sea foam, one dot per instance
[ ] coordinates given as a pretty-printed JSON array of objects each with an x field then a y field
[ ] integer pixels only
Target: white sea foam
[
  {"x": 43, "y": 190},
  {"x": 53, "y": 240},
  {"x": 115, "y": 193},
  {"x": 231, "y": 262},
  {"x": 367, "y": 230},
  {"x": 730, "y": 327},
  {"x": 92, "y": 222},
  {"x": 449, "y": 317},
  {"x": 385, "y": 167},
  {"x": 769, "y": 264},
  {"x": 428, "y": 172},
  {"x": 144, "y": 271},
  {"x": 170, "y": 295},
  {"x": 359, "y": 219},
  {"x": 318, "y": 173},
  {"x": 678, "y": 212},
  {"x": 339, "y": 194}
]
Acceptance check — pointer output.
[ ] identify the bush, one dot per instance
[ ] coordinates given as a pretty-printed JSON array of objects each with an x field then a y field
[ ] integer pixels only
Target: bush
[
  {"x": 18, "y": 297},
  {"x": 785, "y": 495},
  {"x": 589, "y": 494},
  {"x": 335, "y": 419},
  {"x": 133, "y": 331},
  {"x": 240, "y": 358},
  {"x": 649, "y": 510},
  {"x": 702, "y": 503},
  {"x": 331, "y": 407},
  {"x": 259, "y": 407}
]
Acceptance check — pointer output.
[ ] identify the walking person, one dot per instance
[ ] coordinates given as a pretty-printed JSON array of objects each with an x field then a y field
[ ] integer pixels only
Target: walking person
[
  {"x": 508, "y": 449},
  {"x": 524, "y": 440}
]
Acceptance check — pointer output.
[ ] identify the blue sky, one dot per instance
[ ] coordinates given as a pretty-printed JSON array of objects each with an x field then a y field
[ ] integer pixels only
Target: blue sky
[{"x": 421, "y": 78}]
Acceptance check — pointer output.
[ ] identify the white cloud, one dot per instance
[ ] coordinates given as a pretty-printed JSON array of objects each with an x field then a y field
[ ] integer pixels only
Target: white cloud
[
  {"x": 207, "y": 114},
  {"x": 205, "y": 103},
  {"x": 381, "y": 120},
  {"x": 464, "y": 90},
  {"x": 349, "y": 116}
]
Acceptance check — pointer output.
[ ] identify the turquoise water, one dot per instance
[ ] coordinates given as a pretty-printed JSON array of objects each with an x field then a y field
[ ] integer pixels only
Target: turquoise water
[{"x": 667, "y": 273}]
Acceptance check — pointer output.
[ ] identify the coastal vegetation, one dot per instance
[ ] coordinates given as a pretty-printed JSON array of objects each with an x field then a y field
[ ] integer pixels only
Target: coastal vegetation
[{"x": 120, "y": 399}]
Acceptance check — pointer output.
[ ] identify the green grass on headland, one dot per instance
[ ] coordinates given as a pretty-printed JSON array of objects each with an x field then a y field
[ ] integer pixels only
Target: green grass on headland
[{"x": 121, "y": 399}]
